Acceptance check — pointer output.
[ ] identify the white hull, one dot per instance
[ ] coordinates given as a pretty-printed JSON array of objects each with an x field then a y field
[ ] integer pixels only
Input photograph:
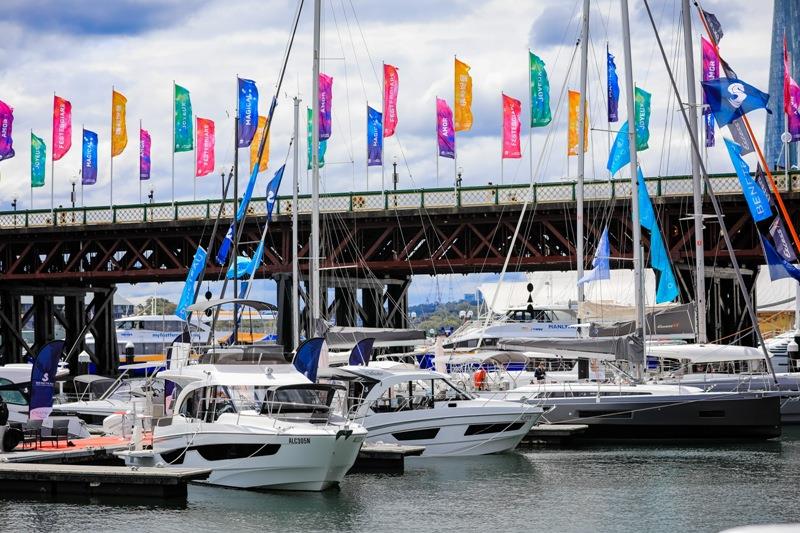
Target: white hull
[
  {"x": 444, "y": 432},
  {"x": 289, "y": 460}
]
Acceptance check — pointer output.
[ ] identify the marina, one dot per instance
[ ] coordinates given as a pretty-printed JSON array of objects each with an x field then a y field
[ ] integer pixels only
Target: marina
[{"x": 591, "y": 325}]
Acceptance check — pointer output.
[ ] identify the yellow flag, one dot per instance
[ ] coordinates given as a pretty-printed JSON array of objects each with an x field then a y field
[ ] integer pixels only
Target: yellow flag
[
  {"x": 572, "y": 140},
  {"x": 262, "y": 122},
  {"x": 463, "y": 97},
  {"x": 119, "y": 132}
]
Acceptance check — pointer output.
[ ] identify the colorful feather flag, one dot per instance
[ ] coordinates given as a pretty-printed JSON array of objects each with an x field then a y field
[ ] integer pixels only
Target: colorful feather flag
[
  {"x": 540, "y": 92},
  {"x": 89, "y": 158},
  {"x": 613, "y": 87},
  {"x": 323, "y": 145},
  {"x": 572, "y": 131},
  {"x": 38, "y": 160},
  {"x": 62, "y": 127},
  {"x": 325, "y": 103},
  {"x": 512, "y": 108},
  {"x": 119, "y": 130},
  {"x": 444, "y": 129},
  {"x": 256, "y": 141},
  {"x": 374, "y": 138},
  {"x": 248, "y": 111},
  {"x": 6, "y": 123},
  {"x": 204, "y": 163},
  {"x": 184, "y": 135},
  {"x": 463, "y": 97},
  {"x": 391, "y": 88},
  {"x": 144, "y": 154}
]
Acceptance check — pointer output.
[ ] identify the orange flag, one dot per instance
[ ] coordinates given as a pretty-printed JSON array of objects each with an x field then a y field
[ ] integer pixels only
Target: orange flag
[
  {"x": 119, "y": 132},
  {"x": 572, "y": 137},
  {"x": 262, "y": 122},
  {"x": 463, "y": 97}
]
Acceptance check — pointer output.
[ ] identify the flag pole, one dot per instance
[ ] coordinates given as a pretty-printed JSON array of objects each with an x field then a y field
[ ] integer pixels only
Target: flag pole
[
  {"x": 773, "y": 186},
  {"x": 295, "y": 259},
  {"x": 235, "y": 252},
  {"x": 173, "y": 141},
  {"x": 579, "y": 208},
  {"x": 383, "y": 123},
  {"x": 53, "y": 167},
  {"x": 111, "y": 167},
  {"x": 140, "y": 161}
]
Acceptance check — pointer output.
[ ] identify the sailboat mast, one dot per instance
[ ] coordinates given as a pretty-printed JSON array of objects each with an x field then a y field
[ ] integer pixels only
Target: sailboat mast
[
  {"x": 314, "y": 328},
  {"x": 295, "y": 265},
  {"x": 634, "y": 165},
  {"x": 697, "y": 186},
  {"x": 581, "y": 147}
]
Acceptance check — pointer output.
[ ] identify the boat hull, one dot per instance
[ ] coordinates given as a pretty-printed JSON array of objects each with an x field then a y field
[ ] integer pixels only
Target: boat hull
[
  {"x": 675, "y": 418},
  {"x": 258, "y": 461},
  {"x": 470, "y": 431}
]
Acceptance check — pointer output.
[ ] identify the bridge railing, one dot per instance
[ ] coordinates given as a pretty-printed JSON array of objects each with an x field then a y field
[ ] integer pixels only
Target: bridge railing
[{"x": 553, "y": 192}]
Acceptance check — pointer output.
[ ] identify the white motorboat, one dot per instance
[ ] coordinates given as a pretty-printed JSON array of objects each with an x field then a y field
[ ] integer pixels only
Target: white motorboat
[{"x": 424, "y": 408}]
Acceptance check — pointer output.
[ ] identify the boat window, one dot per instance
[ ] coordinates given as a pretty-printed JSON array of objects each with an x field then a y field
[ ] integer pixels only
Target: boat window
[
  {"x": 126, "y": 325},
  {"x": 296, "y": 399},
  {"x": 417, "y": 394},
  {"x": 11, "y": 395},
  {"x": 207, "y": 403}
]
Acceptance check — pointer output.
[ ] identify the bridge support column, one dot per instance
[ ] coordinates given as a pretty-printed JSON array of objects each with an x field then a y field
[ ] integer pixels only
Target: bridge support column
[
  {"x": 10, "y": 327},
  {"x": 397, "y": 296},
  {"x": 371, "y": 305},
  {"x": 75, "y": 317},
  {"x": 43, "y": 323},
  {"x": 345, "y": 298},
  {"x": 106, "y": 351},
  {"x": 727, "y": 312},
  {"x": 283, "y": 321}
]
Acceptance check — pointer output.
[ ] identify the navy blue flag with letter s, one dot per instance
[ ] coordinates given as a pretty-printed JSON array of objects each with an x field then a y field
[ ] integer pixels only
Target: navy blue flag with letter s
[
  {"x": 43, "y": 380},
  {"x": 306, "y": 359},
  {"x": 731, "y": 98},
  {"x": 272, "y": 191}
]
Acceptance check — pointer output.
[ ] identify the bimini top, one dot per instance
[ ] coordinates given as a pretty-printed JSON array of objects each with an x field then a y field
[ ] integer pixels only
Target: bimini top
[
  {"x": 379, "y": 374},
  {"x": 258, "y": 305},
  {"x": 236, "y": 375}
]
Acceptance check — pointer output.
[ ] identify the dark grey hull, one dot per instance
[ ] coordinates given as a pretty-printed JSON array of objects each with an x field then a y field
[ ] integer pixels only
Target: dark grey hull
[{"x": 741, "y": 416}]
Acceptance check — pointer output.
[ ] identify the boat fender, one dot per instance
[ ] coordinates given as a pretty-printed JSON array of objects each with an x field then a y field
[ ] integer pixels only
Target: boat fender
[{"x": 479, "y": 379}]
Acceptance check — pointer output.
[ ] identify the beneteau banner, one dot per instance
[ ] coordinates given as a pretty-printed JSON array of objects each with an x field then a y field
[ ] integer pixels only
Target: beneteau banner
[{"x": 391, "y": 87}]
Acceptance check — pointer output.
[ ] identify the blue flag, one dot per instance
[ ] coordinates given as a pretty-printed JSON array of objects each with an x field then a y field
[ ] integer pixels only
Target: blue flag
[
  {"x": 224, "y": 248},
  {"x": 248, "y": 112},
  {"x": 757, "y": 200},
  {"x": 666, "y": 285},
  {"x": 187, "y": 295},
  {"x": 89, "y": 158},
  {"x": 613, "y": 87},
  {"x": 374, "y": 138},
  {"x": 362, "y": 352},
  {"x": 713, "y": 25},
  {"x": 620, "y": 154},
  {"x": 306, "y": 359},
  {"x": 779, "y": 267},
  {"x": 600, "y": 269},
  {"x": 43, "y": 380},
  {"x": 272, "y": 191},
  {"x": 731, "y": 98}
]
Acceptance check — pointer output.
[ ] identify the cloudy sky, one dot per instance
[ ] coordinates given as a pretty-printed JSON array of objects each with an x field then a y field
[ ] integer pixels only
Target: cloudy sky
[{"x": 81, "y": 48}]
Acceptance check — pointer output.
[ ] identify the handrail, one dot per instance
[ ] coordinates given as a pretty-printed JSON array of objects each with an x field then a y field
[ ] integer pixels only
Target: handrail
[{"x": 469, "y": 196}]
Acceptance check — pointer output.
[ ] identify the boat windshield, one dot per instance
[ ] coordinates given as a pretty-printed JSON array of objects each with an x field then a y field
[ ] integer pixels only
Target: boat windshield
[
  {"x": 306, "y": 399},
  {"x": 418, "y": 394}
]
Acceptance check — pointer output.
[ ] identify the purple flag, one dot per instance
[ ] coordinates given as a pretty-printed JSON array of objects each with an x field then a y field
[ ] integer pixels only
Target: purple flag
[
  {"x": 144, "y": 154},
  {"x": 6, "y": 121},
  {"x": 710, "y": 72},
  {"x": 444, "y": 129},
  {"x": 325, "y": 100},
  {"x": 783, "y": 244}
]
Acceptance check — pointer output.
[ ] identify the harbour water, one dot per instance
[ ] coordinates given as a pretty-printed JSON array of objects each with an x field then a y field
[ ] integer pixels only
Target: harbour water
[{"x": 625, "y": 488}]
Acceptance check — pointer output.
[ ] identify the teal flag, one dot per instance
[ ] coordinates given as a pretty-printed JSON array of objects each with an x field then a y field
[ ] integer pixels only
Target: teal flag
[
  {"x": 38, "y": 160},
  {"x": 184, "y": 134},
  {"x": 323, "y": 145},
  {"x": 642, "y": 114},
  {"x": 666, "y": 284},
  {"x": 540, "y": 93}
]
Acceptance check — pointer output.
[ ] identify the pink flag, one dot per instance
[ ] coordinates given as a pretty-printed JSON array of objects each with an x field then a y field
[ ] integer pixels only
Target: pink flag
[
  {"x": 325, "y": 102},
  {"x": 511, "y": 128},
  {"x": 791, "y": 97},
  {"x": 710, "y": 72},
  {"x": 144, "y": 154},
  {"x": 391, "y": 86},
  {"x": 445, "y": 131},
  {"x": 62, "y": 127},
  {"x": 205, "y": 147}
]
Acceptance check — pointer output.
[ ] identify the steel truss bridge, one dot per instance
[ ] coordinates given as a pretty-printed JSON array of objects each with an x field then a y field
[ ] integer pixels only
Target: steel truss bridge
[{"x": 387, "y": 236}]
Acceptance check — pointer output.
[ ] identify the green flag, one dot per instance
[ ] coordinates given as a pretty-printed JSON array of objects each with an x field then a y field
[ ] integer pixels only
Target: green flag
[
  {"x": 540, "y": 93},
  {"x": 642, "y": 115},
  {"x": 184, "y": 135},
  {"x": 38, "y": 158},
  {"x": 323, "y": 145}
]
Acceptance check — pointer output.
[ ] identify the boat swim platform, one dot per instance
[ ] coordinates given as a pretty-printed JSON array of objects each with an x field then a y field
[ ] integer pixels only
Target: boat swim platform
[
  {"x": 553, "y": 434},
  {"x": 89, "y": 450},
  {"x": 384, "y": 458},
  {"x": 90, "y": 480}
]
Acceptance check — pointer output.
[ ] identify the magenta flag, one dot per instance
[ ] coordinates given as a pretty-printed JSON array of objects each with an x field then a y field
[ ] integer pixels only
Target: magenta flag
[
  {"x": 511, "y": 127},
  {"x": 144, "y": 154},
  {"x": 444, "y": 129},
  {"x": 204, "y": 160},
  {"x": 391, "y": 86},
  {"x": 791, "y": 97},
  {"x": 325, "y": 102},
  {"x": 6, "y": 122},
  {"x": 62, "y": 127},
  {"x": 710, "y": 72}
]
